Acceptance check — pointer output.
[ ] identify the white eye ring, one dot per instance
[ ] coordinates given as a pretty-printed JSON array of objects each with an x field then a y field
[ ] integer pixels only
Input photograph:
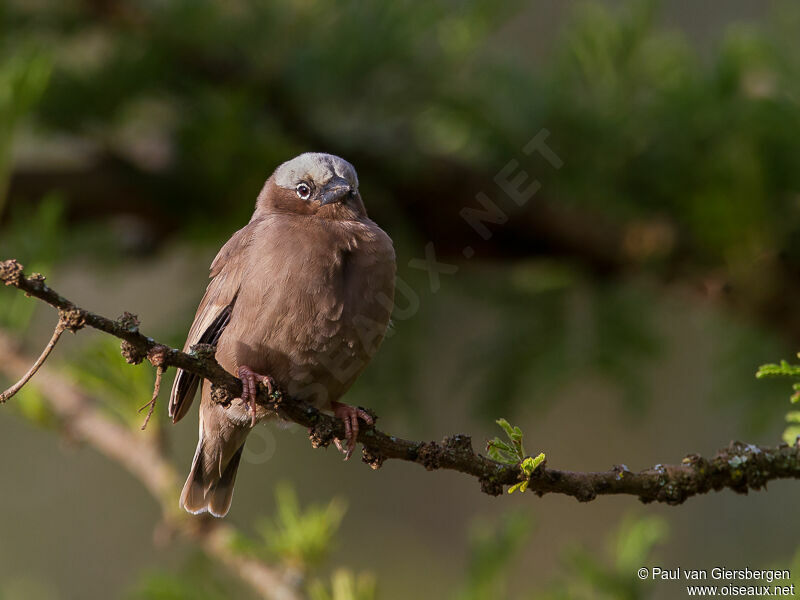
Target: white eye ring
[{"x": 303, "y": 191}]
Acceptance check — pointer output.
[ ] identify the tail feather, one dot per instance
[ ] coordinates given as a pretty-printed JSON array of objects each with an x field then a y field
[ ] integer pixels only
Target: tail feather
[
  {"x": 219, "y": 500},
  {"x": 207, "y": 489}
]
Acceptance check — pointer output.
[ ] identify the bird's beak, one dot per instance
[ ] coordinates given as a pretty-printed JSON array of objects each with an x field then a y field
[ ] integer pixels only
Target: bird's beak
[{"x": 336, "y": 190}]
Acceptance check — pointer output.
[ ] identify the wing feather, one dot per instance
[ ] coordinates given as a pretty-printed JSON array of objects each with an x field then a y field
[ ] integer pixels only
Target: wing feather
[{"x": 213, "y": 314}]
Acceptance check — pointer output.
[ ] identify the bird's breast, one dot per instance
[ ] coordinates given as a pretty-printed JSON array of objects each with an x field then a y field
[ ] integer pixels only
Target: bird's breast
[{"x": 312, "y": 314}]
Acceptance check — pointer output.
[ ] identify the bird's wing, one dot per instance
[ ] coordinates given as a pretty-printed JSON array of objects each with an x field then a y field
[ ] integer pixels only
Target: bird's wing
[{"x": 213, "y": 314}]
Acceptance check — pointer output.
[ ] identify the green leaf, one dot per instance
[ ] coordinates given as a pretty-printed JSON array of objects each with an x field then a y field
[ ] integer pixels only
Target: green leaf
[
  {"x": 784, "y": 369},
  {"x": 538, "y": 459},
  {"x": 529, "y": 465},
  {"x": 502, "y": 456},
  {"x": 515, "y": 450},
  {"x": 521, "y": 486},
  {"x": 501, "y": 445},
  {"x": 514, "y": 454},
  {"x": 506, "y": 426}
]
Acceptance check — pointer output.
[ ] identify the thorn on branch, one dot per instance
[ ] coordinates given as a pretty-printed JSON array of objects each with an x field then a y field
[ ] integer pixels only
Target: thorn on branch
[
  {"x": 10, "y": 392},
  {"x": 152, "y": 403}
]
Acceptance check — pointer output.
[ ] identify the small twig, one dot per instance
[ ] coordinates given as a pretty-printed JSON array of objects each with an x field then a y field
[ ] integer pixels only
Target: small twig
[
  {"x": 61, "y": 326},
  {"x": 152, "y": 403}
]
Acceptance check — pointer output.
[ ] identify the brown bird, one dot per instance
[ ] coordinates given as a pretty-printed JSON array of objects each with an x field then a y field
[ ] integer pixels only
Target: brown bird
[{"x": 299, "y": 298}]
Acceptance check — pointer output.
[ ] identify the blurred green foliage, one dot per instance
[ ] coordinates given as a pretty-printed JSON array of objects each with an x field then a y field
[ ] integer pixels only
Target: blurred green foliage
[
  {"x": 794, "y": 570},
  {"x": 589, "y": 577},
  {"x": 493, "y": 549},
  {"x": 296, "y": 539},
  {"x": 197, "y": 579},
  {"x": 652, "y": 128},
  {"x": 199, "y": 98},
  {"x": 102, "y": 372},
  {"x": 549, "y": 323},
  {"x": 35, "y": 236},
  {"x": 344, "y": 586},
  {"x": 301, "y": 538},
  {"x": 24, "y": 73},
  {"x": 224, "y": 92}
]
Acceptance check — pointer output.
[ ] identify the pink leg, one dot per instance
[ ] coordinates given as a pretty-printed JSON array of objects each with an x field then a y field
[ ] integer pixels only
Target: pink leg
[
  {"x": 350, "y": 416},
  {"x": 250, "y": 380}
]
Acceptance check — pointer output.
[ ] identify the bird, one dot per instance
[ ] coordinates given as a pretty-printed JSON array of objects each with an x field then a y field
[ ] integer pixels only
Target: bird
[{"x": 299, "y": 299}]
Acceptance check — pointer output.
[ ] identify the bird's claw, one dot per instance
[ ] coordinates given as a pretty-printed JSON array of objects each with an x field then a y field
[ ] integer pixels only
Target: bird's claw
[
  {"x": 350, "y": 416},
  {"x": 250, "y": 380}
]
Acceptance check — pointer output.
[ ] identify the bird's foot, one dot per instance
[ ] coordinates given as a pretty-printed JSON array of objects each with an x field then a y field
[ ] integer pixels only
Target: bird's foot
[
  {"x": 349, "y": 416},
  {"x": 250, "y": 380}
]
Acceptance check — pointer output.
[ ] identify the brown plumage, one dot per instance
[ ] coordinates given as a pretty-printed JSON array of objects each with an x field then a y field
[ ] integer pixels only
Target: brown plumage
[{"x": 301, "y": 296}]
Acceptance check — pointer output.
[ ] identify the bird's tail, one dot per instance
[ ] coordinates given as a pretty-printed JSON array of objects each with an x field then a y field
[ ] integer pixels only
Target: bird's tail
[{"x": 209, "y": 486}]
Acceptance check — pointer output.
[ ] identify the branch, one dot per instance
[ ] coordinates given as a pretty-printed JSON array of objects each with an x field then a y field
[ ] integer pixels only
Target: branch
[
  {"x": 79, "y": 416},
  {"x": 739, "y": 467}
]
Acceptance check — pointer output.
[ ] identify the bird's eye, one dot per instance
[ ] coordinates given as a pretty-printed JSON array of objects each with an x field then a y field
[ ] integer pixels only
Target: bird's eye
[{"x": 303, "y": 190}]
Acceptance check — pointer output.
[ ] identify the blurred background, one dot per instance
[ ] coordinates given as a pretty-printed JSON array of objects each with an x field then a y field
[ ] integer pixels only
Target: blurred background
[{"x": 618, "y": 316}]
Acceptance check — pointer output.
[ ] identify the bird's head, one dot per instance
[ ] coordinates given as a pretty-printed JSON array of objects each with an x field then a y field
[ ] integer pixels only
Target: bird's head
[{"x": 313, "y": 183}]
